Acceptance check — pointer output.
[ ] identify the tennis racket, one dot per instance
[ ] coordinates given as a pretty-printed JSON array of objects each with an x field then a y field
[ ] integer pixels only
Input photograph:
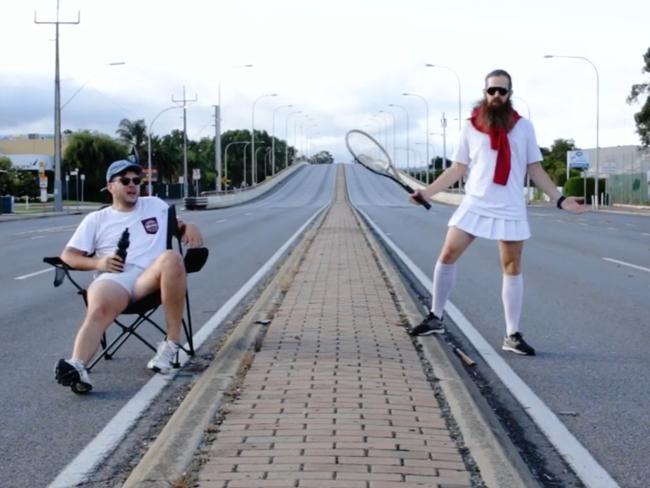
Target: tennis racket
[{"x": 371, "y": 155}]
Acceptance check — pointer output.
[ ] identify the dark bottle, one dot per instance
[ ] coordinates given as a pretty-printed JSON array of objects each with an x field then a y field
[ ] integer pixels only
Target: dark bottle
[{"x": 123, "y": 245}]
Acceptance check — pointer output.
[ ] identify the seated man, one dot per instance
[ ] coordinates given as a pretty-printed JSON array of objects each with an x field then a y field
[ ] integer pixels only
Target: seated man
[{"x": 149, "y": 266}]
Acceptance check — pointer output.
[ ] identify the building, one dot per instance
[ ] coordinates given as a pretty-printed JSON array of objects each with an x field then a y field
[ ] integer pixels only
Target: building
[
  {"x": 626, "y": 170},
  {"x": 30, "y": 152}
]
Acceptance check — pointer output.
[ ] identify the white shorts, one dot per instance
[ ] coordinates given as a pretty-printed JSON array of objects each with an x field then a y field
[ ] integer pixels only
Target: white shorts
[
  {"x": 490, "y": 227},
  {"x": 126, "y": 279}
]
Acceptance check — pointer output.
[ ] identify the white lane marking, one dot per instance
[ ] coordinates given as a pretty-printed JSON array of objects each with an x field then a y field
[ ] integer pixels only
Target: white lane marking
[
  {"x": 629, "y": 265},
  {"x": 37, "y": 237},
  {"x": 220, "y": 221},
  {"x": 645, "y": 234},
  {"x": 581, "y": 460},
  {"x": 82, "y": 466},
  {"x": 248, "y": 213},
  {"x": 35, "y": 273},
  {"x": 58, "y": 228}
]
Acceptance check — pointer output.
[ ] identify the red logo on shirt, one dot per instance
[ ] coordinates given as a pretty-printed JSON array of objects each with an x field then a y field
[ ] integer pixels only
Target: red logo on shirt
[{"x": 150, "y": 225}]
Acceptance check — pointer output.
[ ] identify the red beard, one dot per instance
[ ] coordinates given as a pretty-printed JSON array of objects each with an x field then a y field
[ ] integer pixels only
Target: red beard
[
  {"x": 496, "y": 120},
  {"x": 497, "y": 114}
]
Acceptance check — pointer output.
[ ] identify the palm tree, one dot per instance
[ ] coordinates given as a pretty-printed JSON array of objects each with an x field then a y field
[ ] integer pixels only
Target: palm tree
[{"x": 133, "y": 133}]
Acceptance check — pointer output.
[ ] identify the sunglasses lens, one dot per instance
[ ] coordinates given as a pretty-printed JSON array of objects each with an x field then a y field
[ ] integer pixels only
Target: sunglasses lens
[
  {"x": 127, "y": 181},
  {"x": 493, "y": 90}
]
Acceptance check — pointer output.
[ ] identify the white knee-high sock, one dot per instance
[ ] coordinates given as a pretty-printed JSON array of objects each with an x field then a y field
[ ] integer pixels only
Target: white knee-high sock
[
  {"x": 444, "y": 277},
  {"x": 512, "y": 294}
]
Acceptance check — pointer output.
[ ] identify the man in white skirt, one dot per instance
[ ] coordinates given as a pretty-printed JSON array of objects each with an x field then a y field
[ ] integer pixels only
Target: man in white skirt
[{"x": 498, "y": 146}]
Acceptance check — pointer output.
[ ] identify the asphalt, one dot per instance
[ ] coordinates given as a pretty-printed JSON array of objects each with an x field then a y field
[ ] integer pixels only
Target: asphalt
[{"x": 332, "y": 392}]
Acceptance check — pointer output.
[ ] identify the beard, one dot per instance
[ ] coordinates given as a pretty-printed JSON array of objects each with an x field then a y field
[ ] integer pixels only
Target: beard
[{"x": 496, "y": 114}]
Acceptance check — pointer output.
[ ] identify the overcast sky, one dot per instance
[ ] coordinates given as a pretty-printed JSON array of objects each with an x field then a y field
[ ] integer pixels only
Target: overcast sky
[{"x": 339, "y": 62}]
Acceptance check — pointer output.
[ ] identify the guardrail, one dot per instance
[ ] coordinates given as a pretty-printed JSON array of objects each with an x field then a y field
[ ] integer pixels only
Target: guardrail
[
  {"x": 235, "y": 197},
  {"x": 196, "y": 203}
]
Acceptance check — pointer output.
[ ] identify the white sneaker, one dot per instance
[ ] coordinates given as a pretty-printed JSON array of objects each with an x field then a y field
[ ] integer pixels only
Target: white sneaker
[
  {"x": 74, "y": 374},
  {"x": 162, "y": 362}
]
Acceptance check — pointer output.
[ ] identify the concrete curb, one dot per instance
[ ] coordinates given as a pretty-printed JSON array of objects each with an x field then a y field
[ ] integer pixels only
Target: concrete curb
[
  {"x": 243, "y": 196},
  {"x": 496, "y": 466},
  {"x": 171, "y": 454}
]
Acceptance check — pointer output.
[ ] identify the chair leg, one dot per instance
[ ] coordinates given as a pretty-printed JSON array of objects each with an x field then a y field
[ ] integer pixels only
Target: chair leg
[{"x": 187, "y": 326}]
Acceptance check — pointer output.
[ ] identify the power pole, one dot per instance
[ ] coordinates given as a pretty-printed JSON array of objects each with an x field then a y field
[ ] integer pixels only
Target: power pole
[
  {"x": 217, "y": 144},
  {"x": 183, "y": 103},
  {"x": 58, "y": 200}
]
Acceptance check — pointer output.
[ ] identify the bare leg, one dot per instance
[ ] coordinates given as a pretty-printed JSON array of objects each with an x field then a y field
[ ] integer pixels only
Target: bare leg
[
  {"x": 167, "y": 274},
  {"x": 106, "y": 300},
  {"x": 455, "y": 244},
  {"x": 444, "y": 273},
  {"x": 510, "y": 252},
  {"x": 512, "y": 292}
]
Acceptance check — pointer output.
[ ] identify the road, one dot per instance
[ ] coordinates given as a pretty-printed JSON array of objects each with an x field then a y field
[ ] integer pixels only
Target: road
[
  {"x": 587, "y": 289},
  {"x": 46, "y": 425}
]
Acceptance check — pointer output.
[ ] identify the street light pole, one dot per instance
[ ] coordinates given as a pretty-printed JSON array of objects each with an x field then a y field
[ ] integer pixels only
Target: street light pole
[
  {"x": 115, "y": 63},
  {"x": 443, "y": 122},
  {"x": 286, "y": 136},
  {"x": 408, "y": 128},
  {"x": 225, "y": 157},
  {"x": 393, "y": 118},
  {"x": 429, "y": 65},
  {"x": 273, "y": 137},
  {"x": 426, "y": 107},
  {"x": 58, "y": 200},
  {"x": 149, "y": 133},
  {"x": 217, "y": 140},
  {"x": 184, "y": 101},
  {"x": 597, "y": 195},
  {"x": 253, "y": 160}
]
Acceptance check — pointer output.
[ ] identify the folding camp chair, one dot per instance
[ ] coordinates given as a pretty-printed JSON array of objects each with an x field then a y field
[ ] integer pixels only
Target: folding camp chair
[{"x": 144, "y": 308}]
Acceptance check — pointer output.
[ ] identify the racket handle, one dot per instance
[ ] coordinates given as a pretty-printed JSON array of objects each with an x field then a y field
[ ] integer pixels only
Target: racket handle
[{"x": 422, "y": 201}]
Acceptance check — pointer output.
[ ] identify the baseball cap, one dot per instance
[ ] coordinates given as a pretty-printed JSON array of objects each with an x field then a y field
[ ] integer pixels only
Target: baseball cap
[{"x": 121, "y": 166}]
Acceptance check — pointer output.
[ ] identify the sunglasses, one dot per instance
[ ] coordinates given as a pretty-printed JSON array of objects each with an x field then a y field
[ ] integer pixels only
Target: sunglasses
[
  {"x": 126, "y": 181},
  {"x": 493, "y": 90}
]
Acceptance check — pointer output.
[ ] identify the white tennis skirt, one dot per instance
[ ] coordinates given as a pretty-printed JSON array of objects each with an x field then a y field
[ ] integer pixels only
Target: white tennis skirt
[{"x": 489, "y": 227}]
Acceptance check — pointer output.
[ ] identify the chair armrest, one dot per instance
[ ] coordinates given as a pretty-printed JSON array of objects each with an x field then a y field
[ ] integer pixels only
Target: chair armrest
[
  {"x": 61, "y": 269},
  {"x": 55, "y": 261},
  {"x": 195, "y": 258}
]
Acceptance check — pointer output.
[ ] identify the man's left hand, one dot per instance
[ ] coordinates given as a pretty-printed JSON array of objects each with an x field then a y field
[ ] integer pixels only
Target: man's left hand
[
  {"x": 192, "y": 236},
  {"x": 573, "y": 205}
]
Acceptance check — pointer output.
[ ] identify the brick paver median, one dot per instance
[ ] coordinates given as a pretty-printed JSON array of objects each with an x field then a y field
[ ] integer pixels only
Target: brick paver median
[{"x": 337, "y": 396}]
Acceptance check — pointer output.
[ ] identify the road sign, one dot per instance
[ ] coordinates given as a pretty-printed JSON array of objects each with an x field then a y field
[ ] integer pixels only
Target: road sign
[
  {"x": 609, "y": 168},
  {"x": 196, "y": 174},
  {"x": 577, "y": 159}
]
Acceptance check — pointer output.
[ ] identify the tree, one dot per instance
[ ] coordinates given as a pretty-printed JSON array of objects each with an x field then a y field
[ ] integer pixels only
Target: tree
[
  {"x": 554, "y": 162},
  {"x": 322, "y": 157},
  {"x": 133, "y": 133},
  {"x": 236, "y": 156},
  {"x": 167, "y": 156},
  {"x": 7, "y": 175},
  {"x": 91, "y": 153},
  {"x": 642, "y": 118}
]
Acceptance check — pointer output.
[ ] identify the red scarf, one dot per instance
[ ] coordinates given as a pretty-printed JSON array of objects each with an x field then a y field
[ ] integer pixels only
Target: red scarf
[{"x": 499, "y": 142}]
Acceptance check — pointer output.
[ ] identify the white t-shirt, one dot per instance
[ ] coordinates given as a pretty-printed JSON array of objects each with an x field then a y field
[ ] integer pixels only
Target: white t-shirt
[
  {"x": 482, "y": 195},
  {"x": 100, "y": 231}
]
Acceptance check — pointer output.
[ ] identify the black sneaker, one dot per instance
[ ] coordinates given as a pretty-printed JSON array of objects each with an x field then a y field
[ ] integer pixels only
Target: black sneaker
[
  {"x": 73, "y": 374},
  {"x": 430, "y": 325},
  {"x": 516, "y": 343}
]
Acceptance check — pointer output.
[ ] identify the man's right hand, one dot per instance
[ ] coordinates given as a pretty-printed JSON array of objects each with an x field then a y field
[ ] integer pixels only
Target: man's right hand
[
  {"x": 110, "y": 264},
  {"x": 413, "y": 197}
]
